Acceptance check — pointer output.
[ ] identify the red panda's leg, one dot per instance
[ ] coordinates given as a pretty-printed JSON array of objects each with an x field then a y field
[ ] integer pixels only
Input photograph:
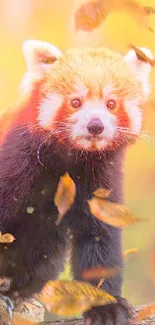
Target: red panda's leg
[{"x": 92, "y": 250}]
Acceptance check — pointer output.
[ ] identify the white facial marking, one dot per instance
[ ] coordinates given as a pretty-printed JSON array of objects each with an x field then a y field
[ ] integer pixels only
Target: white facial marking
[
  {"x": 109, "y": 92},
  {"x": 81, "y": 89},
  {"x": 49, "y": 108},
  {"x": 135, "y": 114},
  {"x": 80, "y": 119}
]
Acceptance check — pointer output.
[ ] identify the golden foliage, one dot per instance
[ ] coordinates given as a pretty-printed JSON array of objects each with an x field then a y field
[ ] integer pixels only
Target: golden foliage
[
  {"x": 65, "y": 195},
  {"x": 67, "y": 298}
]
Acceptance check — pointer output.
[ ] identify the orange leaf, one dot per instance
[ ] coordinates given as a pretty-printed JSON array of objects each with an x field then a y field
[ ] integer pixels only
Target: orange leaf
[
  {"x": 99, "y": 272},
  {"x": 65, "y": 195},
  {"x": 89, "y": 16},
  {"x": 116, "y": 215},
  {"x": 130, "y": 251},
  {"x": 144, "y": 313}
]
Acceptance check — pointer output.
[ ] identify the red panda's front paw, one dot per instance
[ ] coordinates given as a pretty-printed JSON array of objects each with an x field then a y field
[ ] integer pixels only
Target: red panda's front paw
[{"x": 112, "y": 314}]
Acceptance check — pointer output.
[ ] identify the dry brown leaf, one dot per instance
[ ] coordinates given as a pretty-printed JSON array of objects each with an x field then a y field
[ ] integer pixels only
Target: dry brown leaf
[
  {"x": 67, "y": 298},
  {"x": 144, "y": 313},
  {"x": 130, "y": 251},
  {"x": 99, "y": 272},
  {"x": 89, "y": 16},
  {"x": 6, "y": 238},
  {"x": 102, "y": 193},
  {"x": 116, "y": 215},
  {"x": 141, "y": 55},
  {"x": 65, "y": 195}
]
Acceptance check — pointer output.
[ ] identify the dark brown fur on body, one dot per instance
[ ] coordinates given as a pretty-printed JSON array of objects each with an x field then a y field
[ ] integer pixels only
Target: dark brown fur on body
[{"x": 38, "y": 253}]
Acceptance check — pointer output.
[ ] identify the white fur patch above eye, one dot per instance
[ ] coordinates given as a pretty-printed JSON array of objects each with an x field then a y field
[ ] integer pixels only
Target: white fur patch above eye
[
  {"x": 81, "y": 89},
  {"x": 109, "y": 92},
  {"x": 48, "y": 109},
  {"x": 135, "y": 115}
]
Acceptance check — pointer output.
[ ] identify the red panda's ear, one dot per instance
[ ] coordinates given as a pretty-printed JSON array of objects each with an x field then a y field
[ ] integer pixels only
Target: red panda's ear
[
  {"x": 39, "y": 54},
  {"x": 141, "y": 68}
]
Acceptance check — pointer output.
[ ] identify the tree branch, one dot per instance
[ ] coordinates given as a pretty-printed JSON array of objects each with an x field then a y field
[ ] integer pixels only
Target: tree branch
[
  {"x": 79, "y": 321},
  {"x": 34, "y": 311}
]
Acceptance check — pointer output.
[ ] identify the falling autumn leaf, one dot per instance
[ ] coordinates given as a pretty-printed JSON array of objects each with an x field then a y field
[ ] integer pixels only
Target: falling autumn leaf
[
  {"x": 116, "y": 215},
  {"x": 67, "y": 298},
  {"x": 142, "y": 56},
  {"x": 6, "y": 238},
  {"x": 65, "y": 195},
  {"x": 89, "y": 16},
  {"x": 102, "y": 193},
  {"x": 99, "y": 272},
  {"x": 130, "y": 251},
  {"x": 144, "y": 313}
]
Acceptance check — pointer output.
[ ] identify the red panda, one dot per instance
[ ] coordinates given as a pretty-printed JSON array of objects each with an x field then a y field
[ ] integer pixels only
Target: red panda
[{"x": 78, "y": 109}]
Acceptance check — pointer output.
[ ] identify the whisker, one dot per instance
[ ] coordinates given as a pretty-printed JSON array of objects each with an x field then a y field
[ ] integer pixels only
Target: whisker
[{"x": 38, "y": 151}]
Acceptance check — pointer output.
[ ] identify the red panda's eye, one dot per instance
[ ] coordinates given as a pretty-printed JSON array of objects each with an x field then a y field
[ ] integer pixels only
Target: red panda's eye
[
  {"x": 111, "y": 104},
  {"x": 76, "y": 103}
]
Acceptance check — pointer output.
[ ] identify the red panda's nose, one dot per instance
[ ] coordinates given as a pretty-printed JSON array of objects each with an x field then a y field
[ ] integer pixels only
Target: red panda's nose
[{"x": 95, "y": 126}]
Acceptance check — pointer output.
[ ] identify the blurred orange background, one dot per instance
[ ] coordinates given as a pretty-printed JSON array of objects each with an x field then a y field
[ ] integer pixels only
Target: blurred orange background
[{"x": 53, "y": 21}]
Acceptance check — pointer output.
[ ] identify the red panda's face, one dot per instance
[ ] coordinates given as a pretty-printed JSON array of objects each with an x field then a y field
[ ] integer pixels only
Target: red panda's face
[{"x": 91, "y": 99}]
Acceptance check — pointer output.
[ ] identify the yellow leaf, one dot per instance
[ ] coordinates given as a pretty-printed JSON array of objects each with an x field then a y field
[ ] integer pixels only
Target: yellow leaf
[
  {"x": 6, "y": 238},
  {"x": 99, "y": 272},
  {"x": 102, "y": 193},
  {"x": 65, "y": 195},
  {"x": 67, "y": 298},
  {"x": 116, "y": 215},
  {"x": 130, "y": 251}
]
